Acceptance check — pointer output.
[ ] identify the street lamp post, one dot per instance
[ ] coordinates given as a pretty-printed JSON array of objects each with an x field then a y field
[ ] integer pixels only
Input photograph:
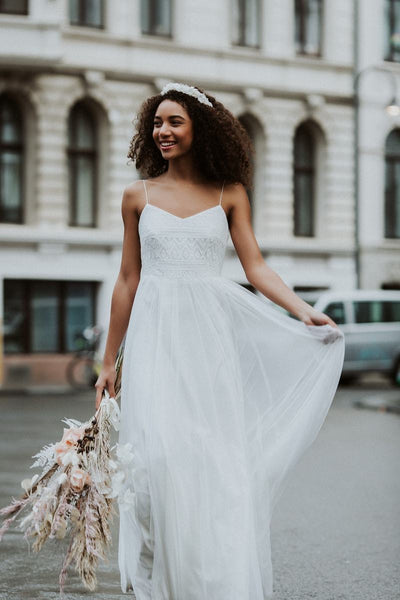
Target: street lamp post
[{"x": 393, "y": 110}]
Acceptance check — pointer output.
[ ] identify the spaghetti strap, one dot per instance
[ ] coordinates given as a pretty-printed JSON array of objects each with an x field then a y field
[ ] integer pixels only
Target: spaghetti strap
[
  {"x": 145, "y": 191},
  {"x": 222, "y": 191}
]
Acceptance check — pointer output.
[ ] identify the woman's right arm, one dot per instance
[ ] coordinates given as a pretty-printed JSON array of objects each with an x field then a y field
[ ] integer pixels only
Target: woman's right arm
[{"x": 124, "y": 289}]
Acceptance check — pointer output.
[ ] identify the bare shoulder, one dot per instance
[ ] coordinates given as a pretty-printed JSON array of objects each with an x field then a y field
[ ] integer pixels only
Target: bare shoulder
[
  {"x": 133, "y": 199},
  {"x": 235, "y": 197}
]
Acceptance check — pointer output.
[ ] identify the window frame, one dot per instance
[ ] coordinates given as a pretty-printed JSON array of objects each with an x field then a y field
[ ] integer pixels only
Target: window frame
[
  {"x": 150, "y": 31},
  {"x": 310, "y": 171},
  {"x": 19, "y": 149},
  {"x": 302, "y": 42},
  {"x": 23, "y": 12},
  {"x": 82, "y": 22},
  {"x": 241, "y": 26},
  {"x": 390, "y": 54},
  {"x": 75, "y": 152},
  {"x": 390, "y": 216},
  {"x": 27, "y": 285}
]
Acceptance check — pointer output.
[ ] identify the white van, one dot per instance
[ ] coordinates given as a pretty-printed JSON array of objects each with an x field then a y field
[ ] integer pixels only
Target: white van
[{"x": 370, "y": 321}]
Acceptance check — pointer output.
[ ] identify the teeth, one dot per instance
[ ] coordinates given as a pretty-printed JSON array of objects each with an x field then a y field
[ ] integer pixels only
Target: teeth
[{"x": 167, "y": 143}]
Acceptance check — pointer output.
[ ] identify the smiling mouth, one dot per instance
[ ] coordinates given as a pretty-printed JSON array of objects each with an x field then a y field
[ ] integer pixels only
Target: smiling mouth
[{"x": 166, "y": 145}]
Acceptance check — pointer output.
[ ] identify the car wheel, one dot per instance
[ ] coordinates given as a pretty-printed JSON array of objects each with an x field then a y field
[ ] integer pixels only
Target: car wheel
[
  {"x": 347, "y": 379},
  {"x": 396, "y": 373}
]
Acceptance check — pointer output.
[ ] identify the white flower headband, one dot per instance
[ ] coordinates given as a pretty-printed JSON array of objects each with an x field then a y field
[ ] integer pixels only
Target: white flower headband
[{"x": 186, "y": 89}]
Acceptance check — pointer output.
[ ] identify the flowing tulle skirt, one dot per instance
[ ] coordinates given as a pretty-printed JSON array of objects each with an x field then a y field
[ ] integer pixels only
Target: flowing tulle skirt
[{"x": 221, "y": 395}]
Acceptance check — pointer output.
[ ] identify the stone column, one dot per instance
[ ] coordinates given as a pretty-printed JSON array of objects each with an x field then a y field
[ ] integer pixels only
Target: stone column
[
  {"x": 51, "y": 144},
  {"x": 278, "y": 209}
]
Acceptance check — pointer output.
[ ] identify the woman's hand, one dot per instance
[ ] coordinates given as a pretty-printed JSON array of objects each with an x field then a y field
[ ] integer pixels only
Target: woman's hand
[
  {"x": 105, "y": 380},
  {"x": 310, "y": 316}
]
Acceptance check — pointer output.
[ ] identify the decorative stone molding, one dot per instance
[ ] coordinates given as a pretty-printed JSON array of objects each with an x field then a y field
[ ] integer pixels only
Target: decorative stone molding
[
  {"x": 93, "y": 79},
  {"x": 315, "y": 101},
  {"x": 252, "y": 94}
]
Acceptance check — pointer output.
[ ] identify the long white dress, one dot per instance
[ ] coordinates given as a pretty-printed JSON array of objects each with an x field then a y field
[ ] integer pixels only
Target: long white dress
[{"x": 221, "y": 395}]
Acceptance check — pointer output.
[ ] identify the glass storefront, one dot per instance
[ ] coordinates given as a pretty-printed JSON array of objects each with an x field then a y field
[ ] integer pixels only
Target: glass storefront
[{"x": 46, "y": 316}]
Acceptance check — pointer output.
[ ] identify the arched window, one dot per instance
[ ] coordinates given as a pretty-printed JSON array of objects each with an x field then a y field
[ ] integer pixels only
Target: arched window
[
  {"x": 82, "y": 153},
  {"x": 392, "y": 185},
  {"x": 256, "y": 133},
  {"x": 304, "y": 181},
  {"x": 11, "y": 161}
]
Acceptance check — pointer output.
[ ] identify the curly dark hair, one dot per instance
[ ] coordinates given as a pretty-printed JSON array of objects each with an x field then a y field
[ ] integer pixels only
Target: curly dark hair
[{"x": 222, "y": 149}]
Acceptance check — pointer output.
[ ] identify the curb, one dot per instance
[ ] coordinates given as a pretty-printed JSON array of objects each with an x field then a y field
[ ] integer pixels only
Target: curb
[
  {"x": 44, "y": 391},
  {"x": 379, "y": 404}
]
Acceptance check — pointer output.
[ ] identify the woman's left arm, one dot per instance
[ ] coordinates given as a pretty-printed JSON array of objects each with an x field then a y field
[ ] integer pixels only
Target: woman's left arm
[{"x": 258, "y": 273}]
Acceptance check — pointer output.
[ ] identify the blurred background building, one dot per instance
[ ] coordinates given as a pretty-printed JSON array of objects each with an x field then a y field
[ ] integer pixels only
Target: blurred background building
[
  {"x": 72, "y": 75},
  {"x": 377, "y": 63}
]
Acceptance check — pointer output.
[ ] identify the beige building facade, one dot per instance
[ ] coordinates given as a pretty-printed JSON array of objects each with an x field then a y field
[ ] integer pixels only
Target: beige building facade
[
  {"x": 72, "y": 76},
  {"x": 378, "y": 65}
]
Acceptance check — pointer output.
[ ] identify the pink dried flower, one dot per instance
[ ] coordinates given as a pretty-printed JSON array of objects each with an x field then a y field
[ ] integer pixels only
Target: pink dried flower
[
  {"x": 60, "y": 450},
  {"x": 78, "y": 479},
  {"x": 69, "y": 441},
  {"x": 72, "y": 435}
]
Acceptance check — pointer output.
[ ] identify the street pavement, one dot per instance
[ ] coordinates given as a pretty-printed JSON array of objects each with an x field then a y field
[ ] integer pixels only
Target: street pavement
[{"x": 335, "y": 531}]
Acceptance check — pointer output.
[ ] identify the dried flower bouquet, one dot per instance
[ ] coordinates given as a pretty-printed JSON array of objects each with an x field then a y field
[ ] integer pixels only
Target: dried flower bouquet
[{"x": 74, "y": 494}]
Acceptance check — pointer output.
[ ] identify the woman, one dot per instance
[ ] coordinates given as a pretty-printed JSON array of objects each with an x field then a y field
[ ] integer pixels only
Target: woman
[{"x": 221, "y": 392}]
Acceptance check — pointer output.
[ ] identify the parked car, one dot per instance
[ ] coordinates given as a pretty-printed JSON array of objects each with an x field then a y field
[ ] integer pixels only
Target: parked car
[{"x": 370, "y": 321}]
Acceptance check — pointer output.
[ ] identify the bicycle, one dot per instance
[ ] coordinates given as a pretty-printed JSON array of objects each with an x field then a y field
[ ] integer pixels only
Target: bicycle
[{"x": 85, "y": 366}]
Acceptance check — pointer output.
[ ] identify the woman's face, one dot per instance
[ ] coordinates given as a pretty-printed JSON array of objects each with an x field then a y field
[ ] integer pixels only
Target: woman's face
[{"x": 172, "y": 130}]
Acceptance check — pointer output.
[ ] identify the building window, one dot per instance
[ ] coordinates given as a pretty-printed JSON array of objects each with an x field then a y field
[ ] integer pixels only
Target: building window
[
  {"x": 86, "y": 13},
  {"x": 392, "y": 33},
  {"x": 82, "y": 153},
  {"x": 11, "y": 161},
  {"x": 156, "y": 17},
  {"x": 246, "y": 15},
  {"x": 392, "y": 185},
  {"x": 308, "y": 26},
  {"x": 304, "y": 181},
  {"x": 14, "y": 7},
  {"x": 46, "y": 316}
]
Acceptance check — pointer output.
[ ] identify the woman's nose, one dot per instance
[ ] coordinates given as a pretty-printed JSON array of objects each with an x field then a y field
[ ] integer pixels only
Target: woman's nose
[{"x": 164, "y": 129}]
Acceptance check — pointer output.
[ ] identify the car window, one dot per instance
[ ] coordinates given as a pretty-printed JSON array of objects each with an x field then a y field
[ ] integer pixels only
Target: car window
[
  {"x": 395, "y": 311},
  {"x": 335, "y": 310},
  {"x": 377, "y": 311}
]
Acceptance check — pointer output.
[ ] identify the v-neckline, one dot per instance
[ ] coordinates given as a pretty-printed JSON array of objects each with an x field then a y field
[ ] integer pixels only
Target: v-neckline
[{"x": 189, "y": 216}]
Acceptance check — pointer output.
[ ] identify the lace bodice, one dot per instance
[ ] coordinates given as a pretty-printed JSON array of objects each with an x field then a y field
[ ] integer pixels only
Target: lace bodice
[{"x": 172, "y": 246}]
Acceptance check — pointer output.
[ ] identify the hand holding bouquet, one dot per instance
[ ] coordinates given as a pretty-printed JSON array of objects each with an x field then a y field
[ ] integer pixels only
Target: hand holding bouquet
[{"x": 74, "y": 494}]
